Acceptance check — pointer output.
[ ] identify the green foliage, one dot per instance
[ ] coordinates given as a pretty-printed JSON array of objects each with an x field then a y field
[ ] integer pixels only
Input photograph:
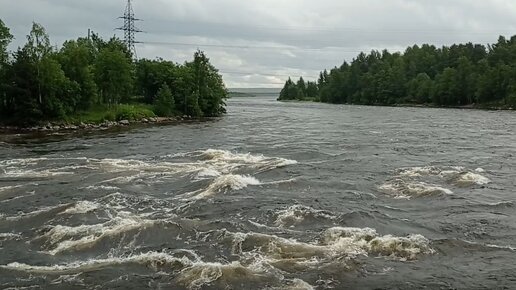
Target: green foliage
[
  {"x": 5, "y": 39},
  {"x": 97, "y": 114},
  {"x": 197, "y": 87},
  {"x": 76, "y": 60},
  {"x": 133, "y": 112},
  {"x": 458, "y": 75},
  {"x": 93, "y": 80},
  {"x": 164, "y": 103},
  {"x": 113, "y": 72}
]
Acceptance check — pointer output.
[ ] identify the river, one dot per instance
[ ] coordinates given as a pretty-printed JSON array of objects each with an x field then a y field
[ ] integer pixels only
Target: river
[{"x": 271, "y": 196}]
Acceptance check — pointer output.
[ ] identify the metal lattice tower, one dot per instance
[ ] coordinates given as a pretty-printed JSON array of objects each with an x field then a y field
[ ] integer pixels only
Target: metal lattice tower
[{"x": 130, "y": 28}]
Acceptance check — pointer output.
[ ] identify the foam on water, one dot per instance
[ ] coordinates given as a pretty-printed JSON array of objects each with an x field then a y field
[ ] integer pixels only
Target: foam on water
[
  {"x": 296, "y": 214},
  {"x": 46, "y": 209},
  {"x": 102, "y": 187},
  {"x": 431, "y": 170},
  {"x": 9, "y": 236},
  {"x": 207, "y": 173},
  {"x": 29, "y": 173},
  {"x": 298, "y": 284},
  {"x": 9, "y": 188},
  {"x": 230, "y": 161},
  {"x": 407, "y": 189},
  {"x": 203, "y": 273},
  {"x": 470, "y": 178},
  {"x": 225, "y": 182},
  {"x": 151, "y": 259},
  {"x": 82, "y": 207},
  {"x": 65, "y": 238},
  {"x": 335, "y": 244},
  {"x": 413, "y": 181}
]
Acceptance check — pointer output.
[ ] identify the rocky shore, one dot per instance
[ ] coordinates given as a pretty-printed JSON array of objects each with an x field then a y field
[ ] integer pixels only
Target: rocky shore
[{"x": 60, "y": 126}]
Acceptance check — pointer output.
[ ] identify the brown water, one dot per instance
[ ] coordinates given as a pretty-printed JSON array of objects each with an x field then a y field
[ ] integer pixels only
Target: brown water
[{"x": 272, "y": 196}]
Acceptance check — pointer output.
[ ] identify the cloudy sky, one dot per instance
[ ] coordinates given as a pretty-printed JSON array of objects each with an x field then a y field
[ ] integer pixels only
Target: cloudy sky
[{"x": 261, "y": 43}]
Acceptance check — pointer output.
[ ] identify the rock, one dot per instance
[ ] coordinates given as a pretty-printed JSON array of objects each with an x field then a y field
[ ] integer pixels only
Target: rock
[
  {"x": 124, "y": 122},
  {"x": 144, "y": 120},
  {"x": 83, "y": 126}
]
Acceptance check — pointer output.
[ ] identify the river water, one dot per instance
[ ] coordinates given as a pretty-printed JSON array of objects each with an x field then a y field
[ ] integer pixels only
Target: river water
[{"x": 271, "y": 196}]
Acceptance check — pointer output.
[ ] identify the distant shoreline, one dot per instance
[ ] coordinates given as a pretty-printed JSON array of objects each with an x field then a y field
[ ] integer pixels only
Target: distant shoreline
[{"x": 430, "y": 106}]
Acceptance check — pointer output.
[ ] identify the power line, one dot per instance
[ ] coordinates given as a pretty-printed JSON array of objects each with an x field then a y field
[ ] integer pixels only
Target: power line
[
  {"x": 239, "y": 26},
  {"x": 248, "y": 46},
  {"x": 130, "y": 28},
  {"x": 257, "y": 74}
]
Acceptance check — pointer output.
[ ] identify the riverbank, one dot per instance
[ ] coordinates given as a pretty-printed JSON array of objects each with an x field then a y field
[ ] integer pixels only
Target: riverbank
[
  {"x": 64, "y": 127},
  {"x": 485, "y": 107},
  {"x": 98, "y": 118}
]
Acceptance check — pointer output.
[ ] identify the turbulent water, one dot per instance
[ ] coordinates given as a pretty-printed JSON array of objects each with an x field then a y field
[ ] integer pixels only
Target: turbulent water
[{"x": 272, "y": 196}]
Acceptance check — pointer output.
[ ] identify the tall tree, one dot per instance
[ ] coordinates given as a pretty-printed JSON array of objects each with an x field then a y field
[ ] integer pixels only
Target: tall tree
[
  {"x": 5, "y": 39},
  {"x": 76, "y": 60},
  {"x": 164, "y": 102},
  {"x": 114, "y": 75}
]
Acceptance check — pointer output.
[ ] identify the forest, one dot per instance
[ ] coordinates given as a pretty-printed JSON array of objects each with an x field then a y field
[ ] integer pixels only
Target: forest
[
  {"x": 91, "y": 79},
  {"x": 449, "y": 76}
]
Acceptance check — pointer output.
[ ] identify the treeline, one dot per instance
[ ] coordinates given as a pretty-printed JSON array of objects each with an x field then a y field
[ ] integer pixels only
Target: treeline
[
  {"x": 459, "y": 75},
  {"x": 39, "y": 82}
]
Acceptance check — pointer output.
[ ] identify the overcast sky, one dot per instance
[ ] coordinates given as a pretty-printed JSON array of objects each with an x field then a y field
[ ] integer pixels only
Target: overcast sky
[{"x": 259, "y": 43}]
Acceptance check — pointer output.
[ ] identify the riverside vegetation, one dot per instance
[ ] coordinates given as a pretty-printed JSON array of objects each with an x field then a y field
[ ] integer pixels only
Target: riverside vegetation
[
  {"x": 91, "y": 80},
  {"x": 459, "y": 75}
]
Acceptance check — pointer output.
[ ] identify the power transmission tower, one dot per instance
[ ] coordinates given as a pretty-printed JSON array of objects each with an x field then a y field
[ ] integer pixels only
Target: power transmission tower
[{"x": 130, "y": 28}]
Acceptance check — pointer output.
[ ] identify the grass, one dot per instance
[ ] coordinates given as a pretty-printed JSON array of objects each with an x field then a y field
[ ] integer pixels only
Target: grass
[{"x": 101, "y": 113}]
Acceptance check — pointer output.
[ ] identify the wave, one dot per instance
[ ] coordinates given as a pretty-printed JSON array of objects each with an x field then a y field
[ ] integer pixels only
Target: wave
[
  {"x": 9, "y": 236},
  {"x": 225, "y": 182},
  {"x": 189, "y": 270},
  {"x": 65, "y": 238},
  {"x": 203, "y": 273},
  {"x": 296, "y": 214},
  {"x": 406, "y": 189},
  {"x": 29, "y": 173},
  {"x": 457, "y": 173},
  {"x": 102, "y": 187},
  {"x": 228, "y": 159},
  {"x": 9, "y": 188},
  {"x": 428, "y": 170},
  {"x": 44, "y": 210},
  {"x": 335, "y": 244},
  {"x": 82, "y": 207},
  {"x": 152, "y": 259},
  {"x": 470, "y": 178}
]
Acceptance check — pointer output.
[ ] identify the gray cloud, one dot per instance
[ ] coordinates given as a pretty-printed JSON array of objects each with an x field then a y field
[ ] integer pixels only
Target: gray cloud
[{"x": 272, "y": 38}]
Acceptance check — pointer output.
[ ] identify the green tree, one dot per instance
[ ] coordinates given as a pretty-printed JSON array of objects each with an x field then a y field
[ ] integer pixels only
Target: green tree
[
  {"x": 301, "y": 85},
  {"x": 209, "y": 87},
  {"x": 312, "y": 90},
  {"x": 76, "y": 60},
  {"x": 164, "y": 102},
  {"x": 420, "y": 89},
  {"x": 466, "y": 81},
  {"x": 447, "y": 88},
  {"x": 5, "y": 39},
  {"x": 114, "y": 75},
  {"x": 38, "y": 47}
]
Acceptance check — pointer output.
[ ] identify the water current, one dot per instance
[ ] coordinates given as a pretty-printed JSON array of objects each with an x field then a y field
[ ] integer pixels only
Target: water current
[{"x": 271, "y": 196}]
